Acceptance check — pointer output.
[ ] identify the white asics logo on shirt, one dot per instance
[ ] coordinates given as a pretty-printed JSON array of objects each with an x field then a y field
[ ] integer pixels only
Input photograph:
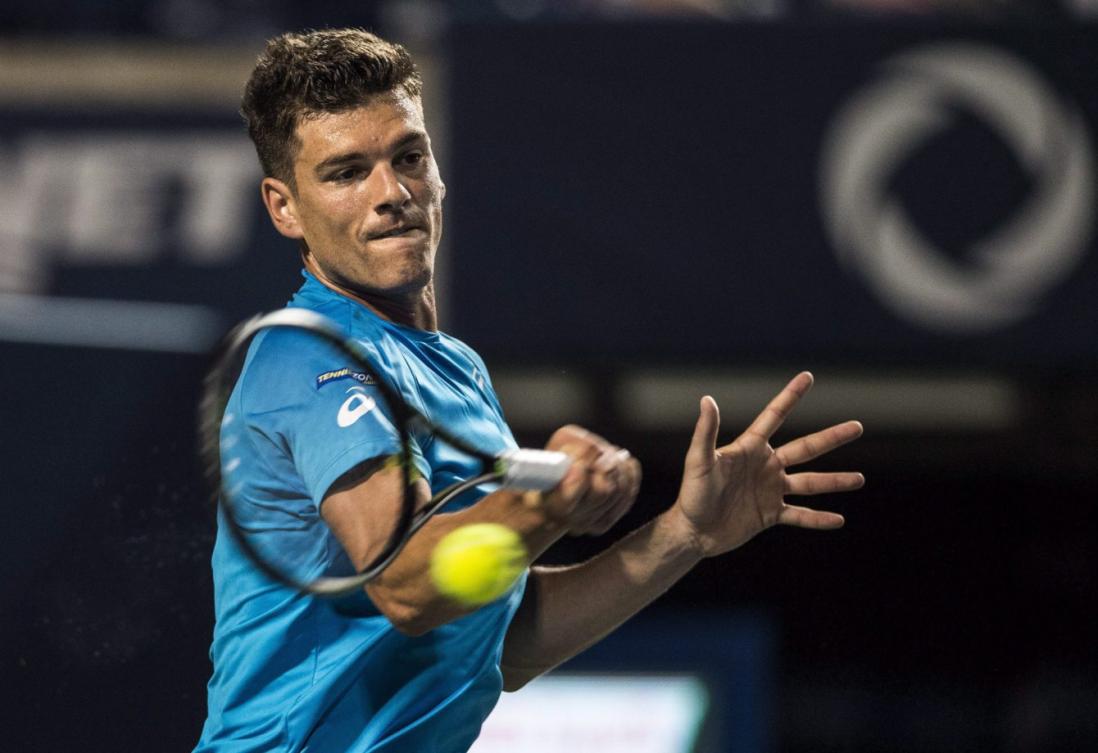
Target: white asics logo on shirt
[{"x": 354, "y": 407}]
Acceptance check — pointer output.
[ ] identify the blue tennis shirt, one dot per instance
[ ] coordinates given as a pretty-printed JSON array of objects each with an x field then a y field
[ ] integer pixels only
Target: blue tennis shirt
[{"x": 298, "y": 673}]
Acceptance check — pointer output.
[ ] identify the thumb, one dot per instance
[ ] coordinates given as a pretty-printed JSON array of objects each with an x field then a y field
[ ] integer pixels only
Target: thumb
[{"x": 704, "y": 442}]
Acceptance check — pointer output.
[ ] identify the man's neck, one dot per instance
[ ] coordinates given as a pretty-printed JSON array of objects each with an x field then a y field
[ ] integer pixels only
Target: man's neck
[{"x": 414, "y": 310}]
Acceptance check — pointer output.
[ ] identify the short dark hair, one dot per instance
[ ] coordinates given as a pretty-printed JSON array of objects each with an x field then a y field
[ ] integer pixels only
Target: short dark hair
[{"x": 305, "y": 74}]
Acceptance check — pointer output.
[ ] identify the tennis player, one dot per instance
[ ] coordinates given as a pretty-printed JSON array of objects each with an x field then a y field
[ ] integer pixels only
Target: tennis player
[{"x": 338, "y": 125}]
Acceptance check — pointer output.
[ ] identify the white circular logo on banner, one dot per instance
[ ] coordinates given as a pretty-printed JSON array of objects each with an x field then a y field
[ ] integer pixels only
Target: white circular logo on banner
[{"x": 1004, "y": 274}]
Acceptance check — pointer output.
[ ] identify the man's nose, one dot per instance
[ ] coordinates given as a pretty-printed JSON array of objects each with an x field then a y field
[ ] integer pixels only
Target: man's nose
[{"x": 387, "y": 191}]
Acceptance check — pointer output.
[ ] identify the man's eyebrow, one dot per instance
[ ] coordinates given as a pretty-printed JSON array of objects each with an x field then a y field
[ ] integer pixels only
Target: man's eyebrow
[
  {"x": 338, "y": 159},
  {"x": 409, "y": 138}
]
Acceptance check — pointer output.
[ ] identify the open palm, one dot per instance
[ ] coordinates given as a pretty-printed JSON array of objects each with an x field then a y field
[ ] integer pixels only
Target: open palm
[{"x": 730, "y": 494}]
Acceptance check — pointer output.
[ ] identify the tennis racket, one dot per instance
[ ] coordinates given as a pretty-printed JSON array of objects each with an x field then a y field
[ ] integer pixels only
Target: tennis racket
[{"x": 518, "y": 469}]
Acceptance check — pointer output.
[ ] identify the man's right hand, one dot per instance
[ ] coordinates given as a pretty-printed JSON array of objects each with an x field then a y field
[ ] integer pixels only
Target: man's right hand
[{"x": 598, "y": 489}]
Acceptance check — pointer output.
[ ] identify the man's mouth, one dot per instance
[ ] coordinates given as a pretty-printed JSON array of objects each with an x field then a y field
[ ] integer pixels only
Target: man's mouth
[{"x": 395, "y": 232}]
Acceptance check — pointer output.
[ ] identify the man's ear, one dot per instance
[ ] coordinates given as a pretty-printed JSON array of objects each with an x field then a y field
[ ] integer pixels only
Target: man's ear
[{"x": 282, "y": 207}]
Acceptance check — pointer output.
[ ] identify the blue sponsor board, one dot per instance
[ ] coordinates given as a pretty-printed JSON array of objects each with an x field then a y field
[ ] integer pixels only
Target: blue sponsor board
[{"x": 918, "y": 195}]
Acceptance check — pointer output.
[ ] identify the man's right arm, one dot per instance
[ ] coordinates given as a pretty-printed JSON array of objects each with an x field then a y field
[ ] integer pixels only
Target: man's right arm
[{"x": 602, "y": 481}]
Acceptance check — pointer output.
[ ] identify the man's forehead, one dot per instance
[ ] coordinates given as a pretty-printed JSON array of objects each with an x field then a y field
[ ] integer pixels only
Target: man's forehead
[{"x": 383, "y": 121}]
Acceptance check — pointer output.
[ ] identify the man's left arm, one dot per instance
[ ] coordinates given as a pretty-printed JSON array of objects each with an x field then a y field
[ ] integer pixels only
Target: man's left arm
[
  {"x": 728, "y": 495},
  {"x": 568, "y": 609}
]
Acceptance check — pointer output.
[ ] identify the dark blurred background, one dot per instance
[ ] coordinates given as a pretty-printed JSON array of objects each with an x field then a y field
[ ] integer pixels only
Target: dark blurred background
[{"x": 648, "y": 201}]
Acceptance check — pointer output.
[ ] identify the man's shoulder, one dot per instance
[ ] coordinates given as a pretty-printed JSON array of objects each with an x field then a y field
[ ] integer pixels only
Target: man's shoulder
[
  {"x": 462, "y": 347},
  {"x": 302, "y": 344},
  {"x": 283, "y": 361}
]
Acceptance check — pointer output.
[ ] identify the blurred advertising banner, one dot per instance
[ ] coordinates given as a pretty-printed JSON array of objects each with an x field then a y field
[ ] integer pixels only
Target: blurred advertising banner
[
  {"x": 563, "y": 713},
  {"x": 907, "y": 195},
  {"x": 121, "y": 227},
  {"x": 129, "y": 215}
]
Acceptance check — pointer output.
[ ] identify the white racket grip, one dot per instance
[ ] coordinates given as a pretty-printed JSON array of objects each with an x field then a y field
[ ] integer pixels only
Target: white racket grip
[{"x": 533, "y": 470}]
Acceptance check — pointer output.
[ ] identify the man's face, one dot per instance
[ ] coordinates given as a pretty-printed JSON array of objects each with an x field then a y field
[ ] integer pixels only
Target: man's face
[{"x": 368, "y": 203}]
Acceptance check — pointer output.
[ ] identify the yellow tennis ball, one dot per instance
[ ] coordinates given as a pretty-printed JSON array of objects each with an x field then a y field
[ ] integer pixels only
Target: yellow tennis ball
[{"x": 477, "y": 563}]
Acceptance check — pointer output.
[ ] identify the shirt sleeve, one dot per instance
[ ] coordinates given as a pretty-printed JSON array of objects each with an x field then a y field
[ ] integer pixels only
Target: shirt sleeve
[{"x": 323, "y": 410}]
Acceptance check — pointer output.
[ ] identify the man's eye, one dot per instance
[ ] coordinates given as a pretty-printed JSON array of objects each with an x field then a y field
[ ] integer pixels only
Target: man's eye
[
  {"x": 347, "y": 173},
  {"x": 412, "y": 158}
]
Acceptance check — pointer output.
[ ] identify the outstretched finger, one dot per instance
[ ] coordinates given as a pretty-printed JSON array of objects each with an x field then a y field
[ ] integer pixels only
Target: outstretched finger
[
  {"x": 818, "y": 443},
  {"x": 700, "y": 455},
  {"x": 806, "y": 484},
  {"x": 775, "y": 413},
  {"x": 804, "y": 517}
]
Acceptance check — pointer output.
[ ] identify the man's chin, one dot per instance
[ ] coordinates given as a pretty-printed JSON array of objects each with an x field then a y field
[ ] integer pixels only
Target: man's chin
[{"x": 409, "y": 280}]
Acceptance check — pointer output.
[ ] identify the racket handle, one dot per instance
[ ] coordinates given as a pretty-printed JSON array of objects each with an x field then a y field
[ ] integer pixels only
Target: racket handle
[{"x": 532, "y": 470}]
